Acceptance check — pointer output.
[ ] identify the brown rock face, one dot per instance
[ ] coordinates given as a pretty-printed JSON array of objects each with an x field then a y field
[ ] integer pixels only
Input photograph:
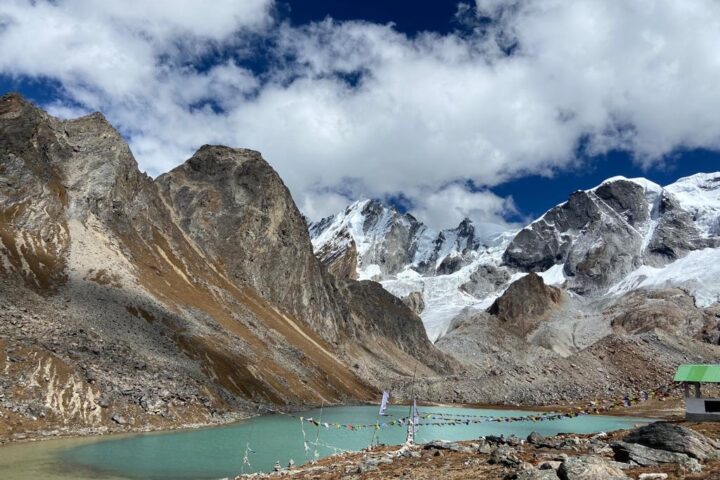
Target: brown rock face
[
  {"x": 236, "y": 208},
  {"x": 415, "y": 302},
  {"x": 33, "y": 235},
  {"x": 239, "y": 212},
  {"x": 525, "y": 303},
  {"x": 341, "y": 262},
  {"x": 672, "y": 310}
]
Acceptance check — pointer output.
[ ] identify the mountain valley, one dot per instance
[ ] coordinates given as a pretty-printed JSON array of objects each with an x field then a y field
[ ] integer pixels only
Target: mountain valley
[{"x": 132, "y": 303}]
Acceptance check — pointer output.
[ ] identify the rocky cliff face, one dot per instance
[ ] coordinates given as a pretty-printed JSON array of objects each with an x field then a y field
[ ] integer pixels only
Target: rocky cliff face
[
  {"x": 603, "y": 234},
  {"x": 525, "y": 304},
  {"x": 235, "y": 207},
  {"x": 150, "y": 304}
]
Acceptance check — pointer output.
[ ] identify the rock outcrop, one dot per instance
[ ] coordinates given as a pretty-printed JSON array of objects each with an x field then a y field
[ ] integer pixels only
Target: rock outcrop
[
  {"x": 340, "y": 256},
  {"x": 415, "y": 302},
  {"x": 596, "y": 234},
  {"x": 235, "y": 207},
  {"x": 525, "y": 304},
  {"x": 675, "y": 438}
]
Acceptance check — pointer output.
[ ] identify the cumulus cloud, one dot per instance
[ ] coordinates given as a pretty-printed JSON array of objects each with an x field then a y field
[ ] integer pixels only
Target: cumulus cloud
[
  {"x": 453, "y": 203},
  {"x": 345, "y": 110}
]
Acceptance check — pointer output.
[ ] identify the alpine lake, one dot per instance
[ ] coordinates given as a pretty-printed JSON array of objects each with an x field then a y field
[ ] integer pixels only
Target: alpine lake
[{"x": 217, "y": 452}]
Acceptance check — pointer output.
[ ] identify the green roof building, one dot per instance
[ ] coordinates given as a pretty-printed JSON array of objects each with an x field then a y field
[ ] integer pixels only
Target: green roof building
[{"x": 698, "y": 408}]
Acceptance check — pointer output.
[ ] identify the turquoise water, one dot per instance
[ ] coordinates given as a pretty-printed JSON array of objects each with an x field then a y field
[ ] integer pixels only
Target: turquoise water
[{"x": 217, "y": 452}]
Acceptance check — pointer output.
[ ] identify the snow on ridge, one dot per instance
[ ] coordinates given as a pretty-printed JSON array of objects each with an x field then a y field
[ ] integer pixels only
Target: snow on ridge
[
  {"x": 699, "y": 195},
  {"x": 648, "y": 185},
  {"x": 441, "y": 293},
  {"x": 698, "y": 272}
]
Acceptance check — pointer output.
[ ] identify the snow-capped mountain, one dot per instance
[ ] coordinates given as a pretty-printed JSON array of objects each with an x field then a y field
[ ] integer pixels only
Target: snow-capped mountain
[
  {"x": 622, "y": 235},
  {"x": 388, "y": 242}
]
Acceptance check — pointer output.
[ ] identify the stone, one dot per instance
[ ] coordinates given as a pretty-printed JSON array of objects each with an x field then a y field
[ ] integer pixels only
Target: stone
[
  {"x": 485, "y": 280},
  {"x": 451, "y": 446},
  {"x": 484, "y": 447},
  {"x": 589, "y": 468},
  {"x": 653, "y": 476},
  {"x": 415, "y": 302},
  {"x": 119, "y": 419},
  {"x": 549, "y": 465},
  {"x": 535, "y": 474},
  {"x": 504, "y": 455},
  {"x": 675, "y": 438},
  {"x": 645, "y": 456},
  {"x": 536, "y": 439}
]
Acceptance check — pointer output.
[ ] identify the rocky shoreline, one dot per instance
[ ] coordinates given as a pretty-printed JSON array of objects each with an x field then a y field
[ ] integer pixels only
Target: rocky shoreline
[{"x": 658, "y": 451}]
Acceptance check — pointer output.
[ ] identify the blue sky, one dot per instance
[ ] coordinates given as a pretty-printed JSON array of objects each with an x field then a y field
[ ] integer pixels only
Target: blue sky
[{"x": 493, "y": 109}]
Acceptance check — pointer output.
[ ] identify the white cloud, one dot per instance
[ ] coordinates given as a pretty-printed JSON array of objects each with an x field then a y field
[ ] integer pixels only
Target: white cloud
[
  {"x": 453, "y": 203},
  {"x": 427, "y": 112}
]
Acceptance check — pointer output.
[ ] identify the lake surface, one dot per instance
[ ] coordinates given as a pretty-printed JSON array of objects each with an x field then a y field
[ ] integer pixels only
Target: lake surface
[{"x": 218, "y": 452}]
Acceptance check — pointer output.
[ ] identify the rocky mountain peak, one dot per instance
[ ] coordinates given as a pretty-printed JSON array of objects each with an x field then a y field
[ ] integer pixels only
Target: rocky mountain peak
[
  {"x": 525, "y": 303},
  {"x": 601, "y": 235},
  {"x": 218, "y": 160},
  {"x": 236, "y": 207}
]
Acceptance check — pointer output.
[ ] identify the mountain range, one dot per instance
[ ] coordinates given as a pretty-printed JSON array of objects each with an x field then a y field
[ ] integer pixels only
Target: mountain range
[
  {"x": 622, "y": 235},
  {"x": 130, "y": 303}
]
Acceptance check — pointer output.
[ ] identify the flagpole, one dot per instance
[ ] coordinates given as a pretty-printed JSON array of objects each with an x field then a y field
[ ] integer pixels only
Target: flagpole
[
  {"x": 410, "y": 439},
  {"x": 317, "y": 437}
]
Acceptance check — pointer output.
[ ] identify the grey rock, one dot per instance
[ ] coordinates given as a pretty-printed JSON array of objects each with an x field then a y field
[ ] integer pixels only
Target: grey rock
[
  {"x": 450, "y": 446},
  {"x": 674, "y": 235},
  {"x": 549, "y": 465},
  {"x": 645, "y": 456},
  {"x": 485, "y": 280},
  {"x": 504, "y": 455},
  {"x": 119, "y": 419},
  {"x": 415, "y": 302},
  {"x": 675, "y": 438},
  {"x": 535, "y": 474},
  {"x": 535, "y": 438},
  {"x": 595, "y": 234},
  {"x": 589, "y": 468}
]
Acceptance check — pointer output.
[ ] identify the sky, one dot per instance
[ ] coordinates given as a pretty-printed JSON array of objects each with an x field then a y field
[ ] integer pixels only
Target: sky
[{"x": 494, "y": 109}]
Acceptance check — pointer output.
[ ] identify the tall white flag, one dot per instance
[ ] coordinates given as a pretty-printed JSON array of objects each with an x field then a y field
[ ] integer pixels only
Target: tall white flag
[{"x": 384, "y": 402}]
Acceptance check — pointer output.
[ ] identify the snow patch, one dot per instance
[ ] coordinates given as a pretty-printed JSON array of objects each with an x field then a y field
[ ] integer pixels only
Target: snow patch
[
  {"x": 698, "y": 272},
  {"x": 554, "y": 275},
  {"x": 700, "y": 196}
]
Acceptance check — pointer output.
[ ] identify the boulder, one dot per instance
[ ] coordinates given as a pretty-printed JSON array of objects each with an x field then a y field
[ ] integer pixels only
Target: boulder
[
  {"x": 675, "y": 438},
  {"x": 119, "y": 419},
  {"x": 589, "y": 468},
  {"x": 504, "y": 455},
  {"x": 415, "y": 302},
  {"x": 646, "y": 456},
  {"x": 549, "y": 465},
  {"x": 535, "y": 474},
  {"x": 536, "y": 439},
  {"x": 451, "y": 446}
]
